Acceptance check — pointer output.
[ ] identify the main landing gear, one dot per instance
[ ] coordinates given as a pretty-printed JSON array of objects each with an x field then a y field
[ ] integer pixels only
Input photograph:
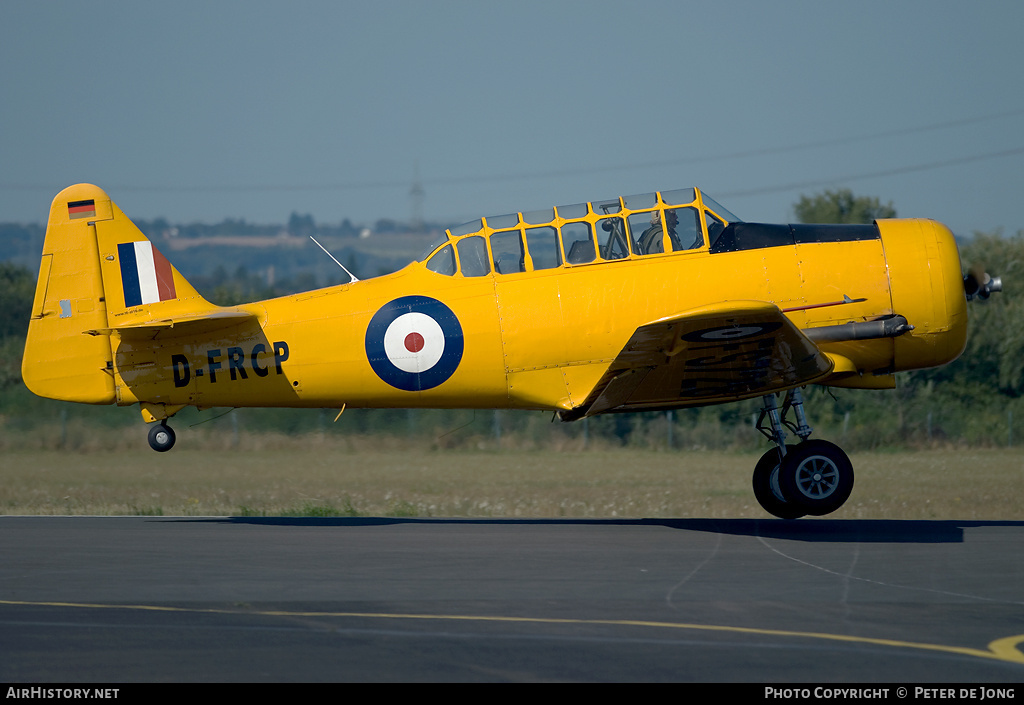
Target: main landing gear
[
  {"x": 161, "y": 437},
  {"x": 812, "y": 477}
]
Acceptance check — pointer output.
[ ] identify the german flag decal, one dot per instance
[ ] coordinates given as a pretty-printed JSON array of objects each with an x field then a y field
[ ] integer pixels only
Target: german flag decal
[{"x": 81, "y": 209}]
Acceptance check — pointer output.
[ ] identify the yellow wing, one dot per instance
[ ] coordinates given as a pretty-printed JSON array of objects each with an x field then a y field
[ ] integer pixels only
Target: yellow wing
[{"x": 723, "y": 352}]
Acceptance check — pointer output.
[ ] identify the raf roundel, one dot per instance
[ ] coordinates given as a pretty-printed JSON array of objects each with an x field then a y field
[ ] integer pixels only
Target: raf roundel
[
  {"x": 727, "y": 334},
  {"x": 414, "y": 343}
]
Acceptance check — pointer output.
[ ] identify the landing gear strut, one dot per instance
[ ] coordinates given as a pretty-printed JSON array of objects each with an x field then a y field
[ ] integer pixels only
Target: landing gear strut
[
  {"x": 161, "y": 437},
  {"x": 813, "y": 477}
]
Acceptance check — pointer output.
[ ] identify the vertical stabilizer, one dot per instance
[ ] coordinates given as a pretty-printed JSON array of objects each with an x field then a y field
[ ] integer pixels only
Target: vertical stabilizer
[
  {"x": 98, "y": 272},
  {"x": 140, "y": 284}
]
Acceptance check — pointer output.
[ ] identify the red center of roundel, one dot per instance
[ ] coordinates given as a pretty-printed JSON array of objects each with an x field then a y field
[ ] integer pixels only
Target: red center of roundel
[{"x": 414, "y": 342}]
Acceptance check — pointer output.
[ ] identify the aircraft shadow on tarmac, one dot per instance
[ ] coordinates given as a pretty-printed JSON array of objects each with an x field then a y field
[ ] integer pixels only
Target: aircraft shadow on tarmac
[{"x": 815, "y": 530}]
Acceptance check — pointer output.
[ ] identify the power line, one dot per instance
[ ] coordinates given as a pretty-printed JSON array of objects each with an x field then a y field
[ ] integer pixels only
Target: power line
[
  {"x": 554, "y": 173},
  {"x": 396, "y": 184},
  {"x": 875, "y": 174},
  {"x": 746, "y": 154}
]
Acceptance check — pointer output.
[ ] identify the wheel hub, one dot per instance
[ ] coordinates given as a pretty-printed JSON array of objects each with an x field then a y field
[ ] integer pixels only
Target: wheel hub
[{"x": 817, "y": 477}]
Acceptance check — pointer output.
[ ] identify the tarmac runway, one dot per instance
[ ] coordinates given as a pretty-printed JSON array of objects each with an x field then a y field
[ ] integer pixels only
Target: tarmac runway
[{"x": 165, "y": 599}]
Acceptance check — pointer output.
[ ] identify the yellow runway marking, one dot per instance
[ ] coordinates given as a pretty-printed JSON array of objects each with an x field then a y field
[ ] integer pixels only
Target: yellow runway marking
[{"x": 1005, "y": 649}]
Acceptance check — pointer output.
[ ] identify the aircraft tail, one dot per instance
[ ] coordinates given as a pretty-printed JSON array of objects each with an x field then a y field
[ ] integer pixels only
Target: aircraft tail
[{"x": 98, "y": 273}]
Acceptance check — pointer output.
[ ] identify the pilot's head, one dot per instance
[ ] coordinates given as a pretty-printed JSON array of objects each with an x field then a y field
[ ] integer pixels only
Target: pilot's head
[{"x": 670, "y": 218}]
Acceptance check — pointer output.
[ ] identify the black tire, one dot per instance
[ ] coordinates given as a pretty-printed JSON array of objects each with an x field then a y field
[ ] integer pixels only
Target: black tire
[
  {"x": 816, "y": 476},
  {"x": 161, "y": 438},
  {"x": 767, "y": 490}
]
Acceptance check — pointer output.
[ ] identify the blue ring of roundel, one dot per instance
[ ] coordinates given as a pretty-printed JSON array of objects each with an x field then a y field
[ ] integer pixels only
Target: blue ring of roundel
[{"x": 414, "y": 381}]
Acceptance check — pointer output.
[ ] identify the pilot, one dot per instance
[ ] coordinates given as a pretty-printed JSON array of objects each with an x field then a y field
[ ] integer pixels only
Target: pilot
[{"x": 651, "y": 240}]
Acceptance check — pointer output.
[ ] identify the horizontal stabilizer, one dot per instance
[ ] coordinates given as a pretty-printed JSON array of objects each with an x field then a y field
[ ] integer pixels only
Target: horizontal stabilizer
[{"x": 200, "y": 322}]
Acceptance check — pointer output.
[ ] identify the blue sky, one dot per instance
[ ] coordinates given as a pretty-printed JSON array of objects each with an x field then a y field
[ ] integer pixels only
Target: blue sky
[{"x": 200, "y": 111}]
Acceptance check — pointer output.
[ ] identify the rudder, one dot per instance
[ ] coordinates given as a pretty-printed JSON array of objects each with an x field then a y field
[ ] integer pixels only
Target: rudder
[{"x": 60, "y": 362}]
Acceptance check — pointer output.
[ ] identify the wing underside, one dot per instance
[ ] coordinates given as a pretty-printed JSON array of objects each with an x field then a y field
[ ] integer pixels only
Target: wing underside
[{"x": 723, "y": 352}]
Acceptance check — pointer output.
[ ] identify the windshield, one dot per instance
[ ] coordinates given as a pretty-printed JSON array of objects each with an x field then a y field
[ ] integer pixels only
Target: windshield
[
  {"x": 441, "y": 239},
  {"x": 714, "y": 205}
]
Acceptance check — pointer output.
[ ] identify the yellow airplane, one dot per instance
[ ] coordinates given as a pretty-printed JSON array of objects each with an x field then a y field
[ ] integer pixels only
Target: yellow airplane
[{"x": 649, "y": 302}]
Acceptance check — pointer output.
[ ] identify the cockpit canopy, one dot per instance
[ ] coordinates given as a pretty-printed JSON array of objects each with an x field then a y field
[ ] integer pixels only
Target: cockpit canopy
[{"x": 649, "y": 224}]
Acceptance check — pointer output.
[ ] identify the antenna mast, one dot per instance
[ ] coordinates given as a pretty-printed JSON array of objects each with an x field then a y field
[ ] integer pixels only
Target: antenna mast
[{"x": 335, "y": 261}]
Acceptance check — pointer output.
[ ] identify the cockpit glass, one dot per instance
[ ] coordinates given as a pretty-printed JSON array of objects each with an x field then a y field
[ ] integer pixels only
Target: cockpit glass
[
  {"x": 612, "y": 233},
  {"x": 443, "y": 262},
  {"x": 473, "y": 257},
  {"x": 502, "y": 222},
  {"x": 542, "y": 244},
  {"x": 641, "y": 202},
  {"x": 679, "y": 197},
  {"x": 440, "y": 240},
  {"x": 714, "y": 225},
  {"x": 474, "y": 226},
  {"x": 616, "y": 244},
  {"x": 573, "y": 212},
  {"x": 507, "y": 248},
  {"x": 539, "y": 217},
  {"x": 578, "y": 241},
  {"x": 718, "y": 208}
]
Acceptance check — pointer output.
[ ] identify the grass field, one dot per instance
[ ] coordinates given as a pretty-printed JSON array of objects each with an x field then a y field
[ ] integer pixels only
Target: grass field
[{"x": 311, "y": 477}]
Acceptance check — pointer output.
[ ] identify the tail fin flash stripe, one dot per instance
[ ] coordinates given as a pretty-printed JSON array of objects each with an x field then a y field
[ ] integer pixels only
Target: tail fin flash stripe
[
  {"x": 81, "y": 209},
  {"x": 164, "y": 276},
  {"x": 129, "y": 274},
  {"x": 146, "y": 274}
]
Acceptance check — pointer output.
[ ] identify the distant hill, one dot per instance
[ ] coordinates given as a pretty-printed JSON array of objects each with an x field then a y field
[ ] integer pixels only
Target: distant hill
[{"x": 282, "y": 256}]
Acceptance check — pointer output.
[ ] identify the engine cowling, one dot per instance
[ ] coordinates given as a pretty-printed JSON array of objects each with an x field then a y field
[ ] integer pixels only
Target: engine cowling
[{"x": 927, "y": 288}]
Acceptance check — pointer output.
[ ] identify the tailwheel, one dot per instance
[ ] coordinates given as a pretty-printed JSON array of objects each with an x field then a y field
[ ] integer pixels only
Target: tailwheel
[
  {"x": 161, "y": 437},
  {"x": 767, "y": 490},
  {"x": 816, "y": 476}
]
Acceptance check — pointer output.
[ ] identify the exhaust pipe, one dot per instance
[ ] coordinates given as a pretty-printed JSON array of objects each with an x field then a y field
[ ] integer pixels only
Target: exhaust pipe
[{"x": 865, "y": 330}]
